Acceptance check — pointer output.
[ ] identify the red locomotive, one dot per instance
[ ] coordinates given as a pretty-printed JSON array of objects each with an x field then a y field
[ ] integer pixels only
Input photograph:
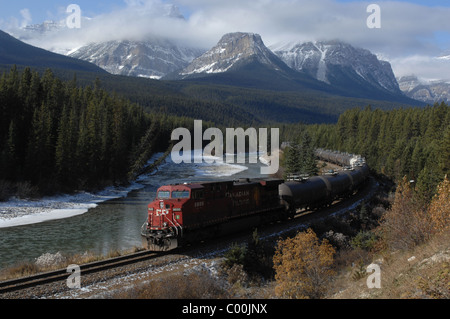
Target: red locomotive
[{"x": 190, "y": 212}]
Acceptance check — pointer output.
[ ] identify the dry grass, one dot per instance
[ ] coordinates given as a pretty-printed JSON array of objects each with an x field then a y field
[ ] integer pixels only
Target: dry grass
[
  {"x": 423, "y": 272},
  {"x": 196, "y": 285},
  {"x": 24, "y": 269}
]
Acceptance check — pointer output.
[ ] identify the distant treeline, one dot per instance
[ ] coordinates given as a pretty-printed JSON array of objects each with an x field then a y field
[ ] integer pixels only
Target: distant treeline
[
  {"x": 58, "y": 136},
  {"x": 411, "y": 142}
]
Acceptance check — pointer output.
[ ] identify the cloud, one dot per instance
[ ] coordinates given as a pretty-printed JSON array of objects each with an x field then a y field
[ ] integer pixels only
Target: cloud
[
  {"x": 426, "y": 68},
  {"x": 407, "y": 30},
  {"x": 26, "y": 17}
]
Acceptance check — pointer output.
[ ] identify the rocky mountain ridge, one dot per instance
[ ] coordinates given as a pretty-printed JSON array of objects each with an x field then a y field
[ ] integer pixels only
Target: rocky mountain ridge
[
  {"x": 230, "y": 51},
  {"x": 339, "y": 63},
  {"x": 151, "y": 59},
  {"x": 431, "y": 92}
]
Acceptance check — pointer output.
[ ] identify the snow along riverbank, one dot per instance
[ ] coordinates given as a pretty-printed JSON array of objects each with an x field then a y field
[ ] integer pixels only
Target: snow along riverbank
[{"x": 17, "y": 212}]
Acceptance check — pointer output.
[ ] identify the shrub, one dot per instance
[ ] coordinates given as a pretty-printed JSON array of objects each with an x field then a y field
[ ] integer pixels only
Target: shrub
[
  {"x": 406, "y": 224},
  {"x": 364, "y": 240},
  {"x": 235, "y": 255},
  {"x": 303, "y": 266},
  {"x": 439, "y": 209},
  {"x": 178, "y": 286}
]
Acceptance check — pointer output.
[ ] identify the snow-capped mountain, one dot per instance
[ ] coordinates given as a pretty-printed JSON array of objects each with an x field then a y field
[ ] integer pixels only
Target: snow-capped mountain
[
  {"x": 153, "y": 59},
  {"x": 233, "y": 50},
  {"x": 435, "y": 91},
  {"x": 339, "y": 64},
  {"x": 242, "y": 59}
]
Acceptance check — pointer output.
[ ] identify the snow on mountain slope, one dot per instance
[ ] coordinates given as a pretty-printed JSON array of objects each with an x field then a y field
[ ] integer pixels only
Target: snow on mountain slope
[
  {"x": 429, "y": 92},
  {"x": 232, "y": 49},
  {"x": 152, "y": 59},
  {"x": 336, "y": 63}
]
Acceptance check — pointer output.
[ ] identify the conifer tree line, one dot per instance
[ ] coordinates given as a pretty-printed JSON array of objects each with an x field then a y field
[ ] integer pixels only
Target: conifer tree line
[
  {"x": 300, "y": 157},
  {"x": 408, "y": 142},
  {"x": 58, "y": 136}
]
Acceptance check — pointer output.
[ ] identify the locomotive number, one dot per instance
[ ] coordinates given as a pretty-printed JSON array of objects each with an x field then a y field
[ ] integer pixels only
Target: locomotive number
[{"x": 199, "y": 204}]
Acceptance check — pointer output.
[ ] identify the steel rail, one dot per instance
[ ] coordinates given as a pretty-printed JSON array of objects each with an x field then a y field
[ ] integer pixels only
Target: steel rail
[{"x": 63, "y": 274}]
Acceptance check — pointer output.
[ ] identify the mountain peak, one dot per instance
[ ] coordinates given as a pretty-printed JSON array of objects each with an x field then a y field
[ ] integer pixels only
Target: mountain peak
[
  {"x": 339, "y": 64},
  {"x": 232, "y": 50}
]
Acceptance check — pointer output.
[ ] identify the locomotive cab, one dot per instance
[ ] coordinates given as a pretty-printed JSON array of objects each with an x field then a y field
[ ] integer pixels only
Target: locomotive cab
[{"x": 163, "y": 226}]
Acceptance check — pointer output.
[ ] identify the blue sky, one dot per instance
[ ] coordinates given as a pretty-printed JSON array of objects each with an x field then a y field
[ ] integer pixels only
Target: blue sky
[
  {"x": 42, "y": 10},
  {"x": 413, "y": 33},
  {"x": 429, "y": 3}
]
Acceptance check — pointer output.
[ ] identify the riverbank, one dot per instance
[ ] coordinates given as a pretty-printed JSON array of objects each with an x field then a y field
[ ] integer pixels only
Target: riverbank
[{"x": 18, "y": 212}]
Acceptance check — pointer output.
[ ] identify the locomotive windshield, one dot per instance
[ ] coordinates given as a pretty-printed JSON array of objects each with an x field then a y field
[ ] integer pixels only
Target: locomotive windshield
[
  {"x": 163, "y": 194},
  {"x": 180, "y": 194},
  {"x": 175, "y": 194}
]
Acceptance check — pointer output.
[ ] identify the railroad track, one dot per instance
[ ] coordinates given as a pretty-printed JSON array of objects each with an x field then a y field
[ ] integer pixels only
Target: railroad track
[{"x": 63, "y": 274}]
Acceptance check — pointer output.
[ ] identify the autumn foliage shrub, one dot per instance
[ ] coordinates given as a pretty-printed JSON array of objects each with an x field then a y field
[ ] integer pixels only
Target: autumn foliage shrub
[
  {"x": 303, "y": 266},
  {"x": 407, "y": 223},
  {"x": 439, "y": 209},
  {"x": 410, "y": 222}
]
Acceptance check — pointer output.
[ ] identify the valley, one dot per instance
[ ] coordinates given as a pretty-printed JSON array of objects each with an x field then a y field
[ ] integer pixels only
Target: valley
[{"x": 85, "y": 111}]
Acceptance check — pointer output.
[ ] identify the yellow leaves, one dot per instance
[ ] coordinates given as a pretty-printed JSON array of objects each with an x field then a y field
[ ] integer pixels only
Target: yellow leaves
[
  {"x": 303, "y": 266},
  {"x": 439, "y": 210},
  {"x": 410, "y": 222}
]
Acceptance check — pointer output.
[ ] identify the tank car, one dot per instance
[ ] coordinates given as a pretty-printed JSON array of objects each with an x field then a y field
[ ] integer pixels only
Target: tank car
[{"x": 310, "y": 193}]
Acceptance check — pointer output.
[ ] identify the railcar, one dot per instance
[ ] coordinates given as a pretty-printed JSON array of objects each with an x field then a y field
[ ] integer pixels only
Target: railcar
[{"x": 310, "y": 193}]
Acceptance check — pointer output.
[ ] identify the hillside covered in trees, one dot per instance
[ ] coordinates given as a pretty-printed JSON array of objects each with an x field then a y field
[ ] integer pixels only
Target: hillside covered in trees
[
  {"x": 411, "y": 142},
  {"x": 58, "y": 136}
]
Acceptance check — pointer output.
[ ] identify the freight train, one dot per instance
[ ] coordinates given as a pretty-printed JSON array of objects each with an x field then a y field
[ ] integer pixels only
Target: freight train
[{"x": 190, "y": 212}]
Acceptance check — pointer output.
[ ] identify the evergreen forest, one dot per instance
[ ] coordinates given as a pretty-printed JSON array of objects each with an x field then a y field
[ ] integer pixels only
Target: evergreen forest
[
  {"x": 407, "y": 142},
  {"x": 59, "y": 136}
]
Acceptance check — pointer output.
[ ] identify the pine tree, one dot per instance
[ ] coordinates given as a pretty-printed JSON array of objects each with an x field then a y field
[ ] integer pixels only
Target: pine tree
[
  {"x": 444, "y": 151},
  {"x": 40, "y": 157},
  {"x": 292, "y": 162},
  {"x": 308, "y": 163}
]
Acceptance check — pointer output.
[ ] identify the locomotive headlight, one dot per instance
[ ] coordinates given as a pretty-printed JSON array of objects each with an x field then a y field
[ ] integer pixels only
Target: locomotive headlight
[
  {"x": 165, "y": 224},
  {"x": 161, "y": 205}
]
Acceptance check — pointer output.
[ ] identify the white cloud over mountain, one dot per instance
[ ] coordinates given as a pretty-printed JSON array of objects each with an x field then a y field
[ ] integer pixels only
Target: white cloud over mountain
[{"x": 407, "y": 37}]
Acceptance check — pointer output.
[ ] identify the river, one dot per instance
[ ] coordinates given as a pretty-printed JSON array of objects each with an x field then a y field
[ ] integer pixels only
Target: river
[{"x": 112, "y": 224}]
